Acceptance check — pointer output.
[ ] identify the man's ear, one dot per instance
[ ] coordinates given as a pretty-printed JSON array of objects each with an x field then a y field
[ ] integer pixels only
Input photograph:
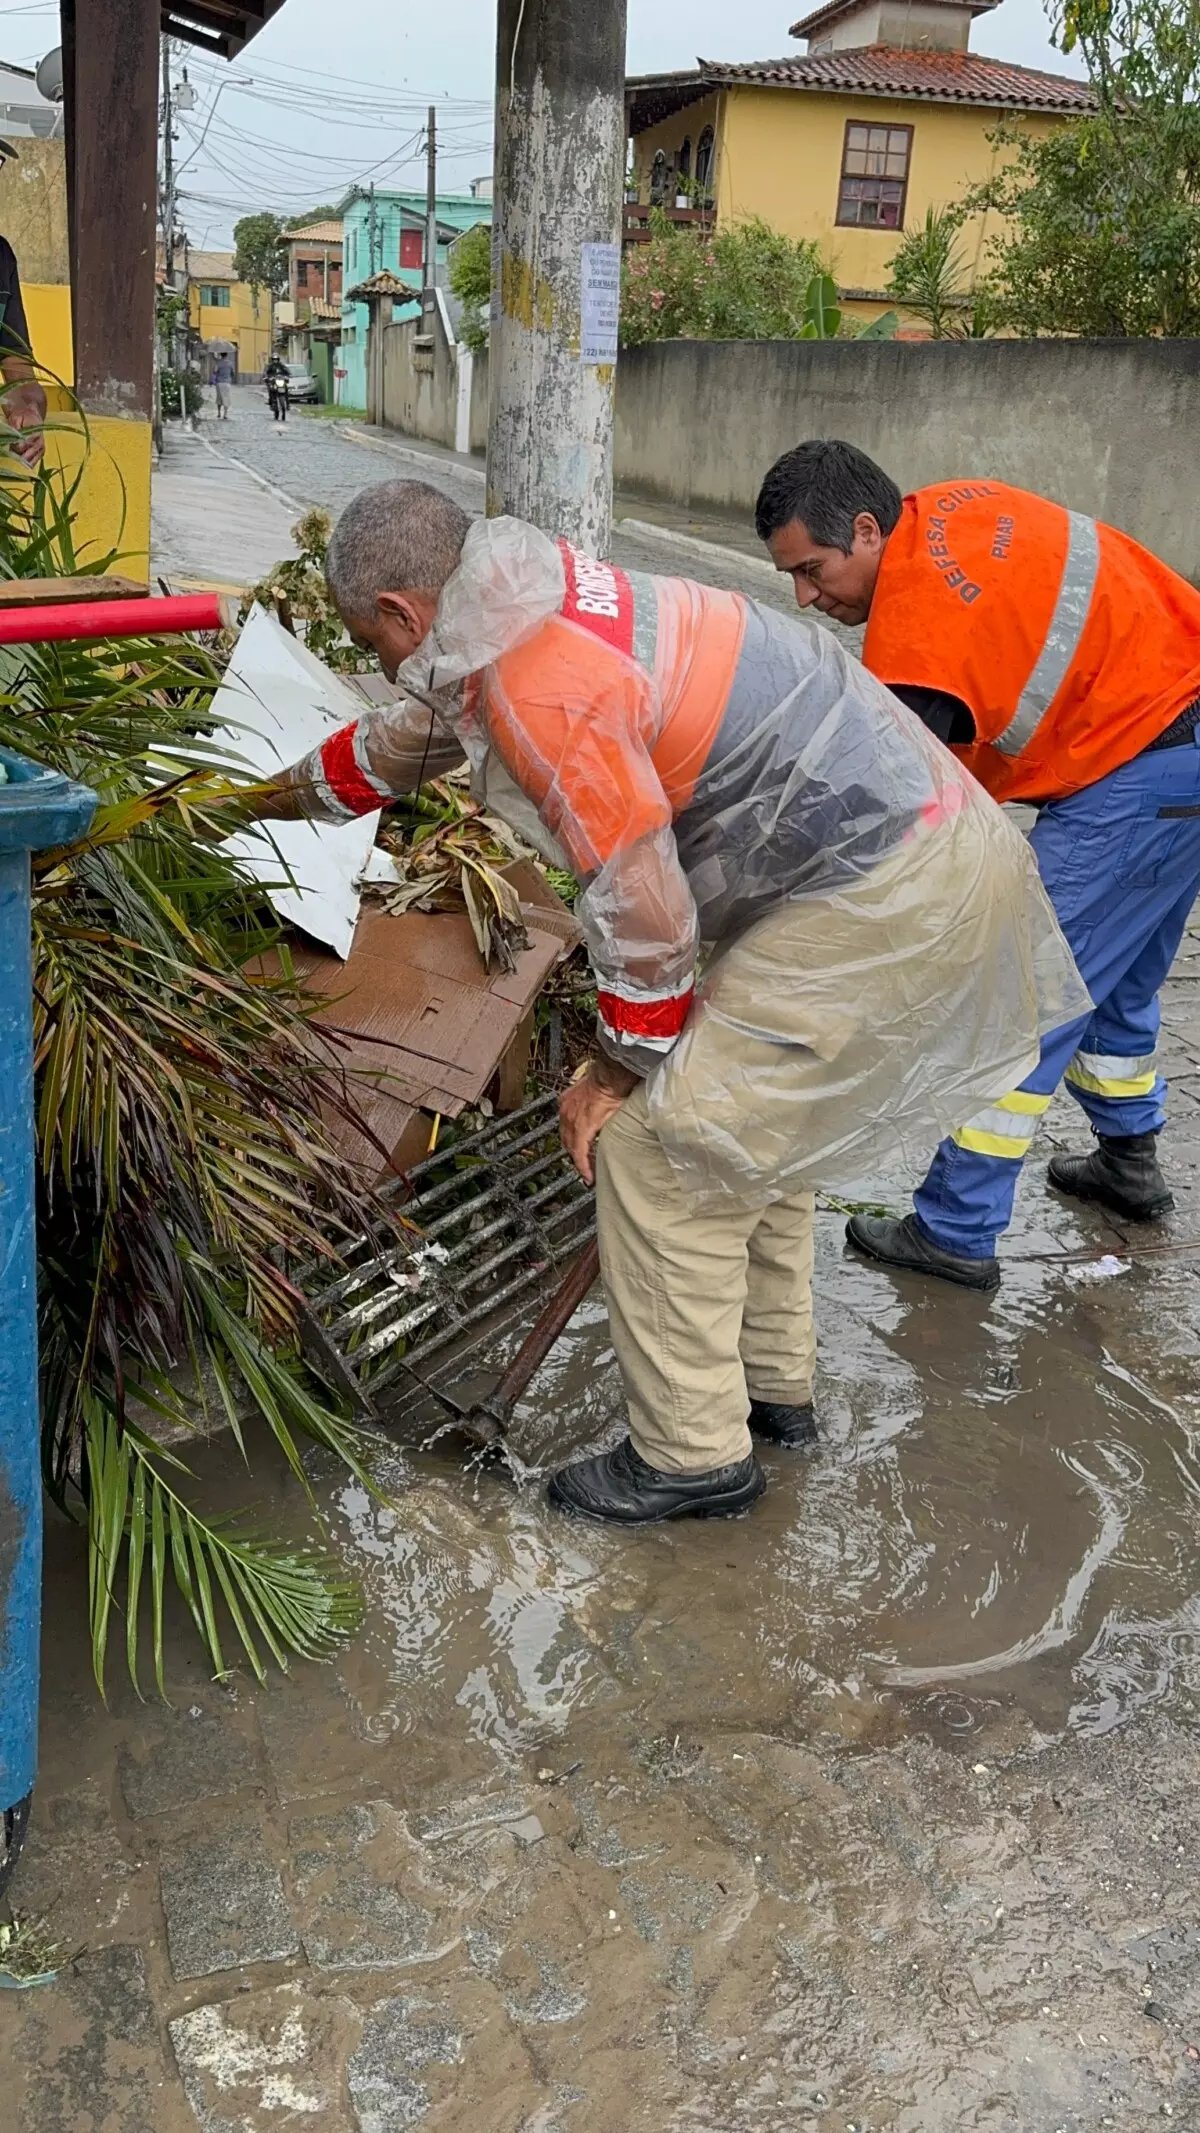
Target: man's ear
[
  {"x": 867, "y": 530},
  {"x": 400, "y": 608}
]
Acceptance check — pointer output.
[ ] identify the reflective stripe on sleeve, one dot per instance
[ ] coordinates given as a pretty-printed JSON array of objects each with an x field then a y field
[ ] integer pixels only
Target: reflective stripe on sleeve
[
  {"x": 352, "y": 786},
  {"x": 650, "y": 1019},
  {"x": 1062, "y": 638},
  {"x": 1108, "y": 1074},
  {"x": 1006, "y": 1128},
  {"x": 325, "y": 801}
]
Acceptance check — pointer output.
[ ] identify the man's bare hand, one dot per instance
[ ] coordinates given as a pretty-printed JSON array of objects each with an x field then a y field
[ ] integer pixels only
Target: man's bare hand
[
  {"x": 23, "y": 406},
  {"x": 586, "y": 1107},
  {"x": 281, "y": 800}
]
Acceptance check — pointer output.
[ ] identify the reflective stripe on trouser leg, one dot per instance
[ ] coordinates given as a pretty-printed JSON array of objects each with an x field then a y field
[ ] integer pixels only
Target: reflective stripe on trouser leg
[
  {"x": 967, "y": 1198},
  {"x": 1107, "y": 1074},
  {"x": 1121, "y": 1092},
  {"x": 1005, "y": 1129}
]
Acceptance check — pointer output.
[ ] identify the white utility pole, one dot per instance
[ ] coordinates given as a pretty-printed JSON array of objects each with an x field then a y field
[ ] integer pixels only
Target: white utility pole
[{"x": 556, "y": 236}]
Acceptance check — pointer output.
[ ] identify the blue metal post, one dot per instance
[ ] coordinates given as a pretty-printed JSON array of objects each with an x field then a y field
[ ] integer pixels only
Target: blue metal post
[{"x": 38, "y": 809}]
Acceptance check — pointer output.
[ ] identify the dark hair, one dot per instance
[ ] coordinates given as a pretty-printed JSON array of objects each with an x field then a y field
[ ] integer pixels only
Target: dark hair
[{"x": 825, "y": 483}]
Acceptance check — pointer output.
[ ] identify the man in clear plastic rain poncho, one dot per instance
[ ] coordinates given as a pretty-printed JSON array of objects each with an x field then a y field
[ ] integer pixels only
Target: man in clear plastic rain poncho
[{"x": 728, "y": 784}]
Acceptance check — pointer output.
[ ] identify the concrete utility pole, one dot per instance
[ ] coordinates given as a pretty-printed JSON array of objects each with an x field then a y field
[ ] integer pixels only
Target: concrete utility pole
[
  {"x": 168, "y": 191},
  {"x": 429, "y": 278},
  {"x": 556, "y": 233}
]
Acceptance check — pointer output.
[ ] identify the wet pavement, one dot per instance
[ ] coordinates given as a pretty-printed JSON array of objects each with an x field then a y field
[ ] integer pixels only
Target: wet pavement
[
  {"x": 214, "y": 515},
  {"x": 877, "y": 1812}
]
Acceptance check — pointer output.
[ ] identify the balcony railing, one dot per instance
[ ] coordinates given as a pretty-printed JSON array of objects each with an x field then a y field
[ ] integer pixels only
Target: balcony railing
[{"x": 636, "y": 221}]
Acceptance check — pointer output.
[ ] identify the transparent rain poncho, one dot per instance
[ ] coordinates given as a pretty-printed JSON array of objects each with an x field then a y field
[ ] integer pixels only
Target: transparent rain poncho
[{"x": 879, "y": 955}]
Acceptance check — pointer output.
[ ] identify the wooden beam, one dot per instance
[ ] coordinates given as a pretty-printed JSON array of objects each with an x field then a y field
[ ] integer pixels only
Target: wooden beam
[
  {"x": 67, "y": 592},
  {"x": 111, "y": 62},
  {"x": 221, "y": 26}
]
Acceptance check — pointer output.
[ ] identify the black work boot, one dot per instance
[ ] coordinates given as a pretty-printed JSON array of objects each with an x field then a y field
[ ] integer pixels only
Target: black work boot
[
  {"x": 1121, "y": 1172},
  {"x": 620, "y": 1489},
  {"x": 789, "y": 1426},
  {"x": 901, "y": 1243}
]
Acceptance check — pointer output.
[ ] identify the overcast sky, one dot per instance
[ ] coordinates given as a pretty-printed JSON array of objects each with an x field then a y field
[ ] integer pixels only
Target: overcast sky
[{"x": 325, "y": 97}]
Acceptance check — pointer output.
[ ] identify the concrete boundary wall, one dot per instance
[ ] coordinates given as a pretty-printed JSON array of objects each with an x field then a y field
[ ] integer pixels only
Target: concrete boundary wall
[{"x": 1109, "y": 427}]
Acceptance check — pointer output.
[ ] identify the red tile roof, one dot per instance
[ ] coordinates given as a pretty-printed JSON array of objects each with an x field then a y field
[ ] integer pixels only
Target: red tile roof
[
  {"x": 943, "y": 77},
  {"x": 872, "y": 70}
]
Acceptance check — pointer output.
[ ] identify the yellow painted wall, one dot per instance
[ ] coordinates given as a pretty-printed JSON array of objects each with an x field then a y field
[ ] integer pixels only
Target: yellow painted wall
[
  {"x": 245, "y": 320},
  {"x": 48, "y": 310},
  {"x": 779, "y": 155},
  {"x": 112, "y": 504}
]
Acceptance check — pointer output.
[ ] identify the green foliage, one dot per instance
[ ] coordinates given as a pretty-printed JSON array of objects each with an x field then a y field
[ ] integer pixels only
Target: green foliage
[
  {"x": 747, "y": 283},
  {"x": 471, "y": 282},
  {"x": 170, "y": 312},
  {"x": 297, "y": 591},
  {"x": 1140, "y": 54},
  {"x": 181, "y": 1162},
  {"x": 822, "y": 315},
  {"x": 823, "y": 320},
  {"x": 260, "y": 252},
  {"x": 180, "y": 392},
  {"x": 1105, "y": 212},
  {"x": 928, "y": 270},
  {"x": 331, "y": 211}
]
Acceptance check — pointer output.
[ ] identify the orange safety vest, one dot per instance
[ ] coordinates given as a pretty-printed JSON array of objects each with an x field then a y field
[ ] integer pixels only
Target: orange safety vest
[{"x": 1072, "y": 647}]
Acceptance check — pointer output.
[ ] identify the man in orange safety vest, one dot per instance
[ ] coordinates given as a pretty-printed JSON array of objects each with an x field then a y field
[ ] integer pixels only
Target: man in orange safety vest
[{"x": 1061, "y": 662}]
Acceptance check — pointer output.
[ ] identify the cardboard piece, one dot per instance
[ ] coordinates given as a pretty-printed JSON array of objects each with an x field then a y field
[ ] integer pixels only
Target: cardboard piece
[{"x": 421, "y": 1027}]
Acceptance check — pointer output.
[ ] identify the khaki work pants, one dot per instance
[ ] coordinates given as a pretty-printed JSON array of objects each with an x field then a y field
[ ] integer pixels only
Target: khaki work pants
[{"x": 707, "y": 1310}]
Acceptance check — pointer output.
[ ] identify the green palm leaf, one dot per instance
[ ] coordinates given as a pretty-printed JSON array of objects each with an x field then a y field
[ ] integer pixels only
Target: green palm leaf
[
  {"x": 183, "y": 1163},
  {"x": 270, "y": 1596}
]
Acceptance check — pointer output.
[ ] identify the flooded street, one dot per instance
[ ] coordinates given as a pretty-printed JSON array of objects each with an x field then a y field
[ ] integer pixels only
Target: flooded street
[
  {"x": 876, "y": 1812},
  {"x": 878, "y": 1809}
]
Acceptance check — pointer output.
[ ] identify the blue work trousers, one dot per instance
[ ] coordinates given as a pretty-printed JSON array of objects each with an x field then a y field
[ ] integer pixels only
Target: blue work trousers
[{"x": 1121, "y": 864}]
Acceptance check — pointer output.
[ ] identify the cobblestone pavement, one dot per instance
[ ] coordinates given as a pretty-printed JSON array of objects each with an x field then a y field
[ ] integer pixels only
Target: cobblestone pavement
[
  {"x": 877, "y": 1812},
  {"x": 318, "y": 460}
]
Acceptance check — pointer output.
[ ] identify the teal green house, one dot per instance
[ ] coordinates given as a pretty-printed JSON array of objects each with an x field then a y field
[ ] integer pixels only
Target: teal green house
[{"x": 387, "y": 230}]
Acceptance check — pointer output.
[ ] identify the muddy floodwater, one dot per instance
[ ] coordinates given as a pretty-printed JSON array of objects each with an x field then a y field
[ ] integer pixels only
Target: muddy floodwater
[{"x": 878, "y": 1810}]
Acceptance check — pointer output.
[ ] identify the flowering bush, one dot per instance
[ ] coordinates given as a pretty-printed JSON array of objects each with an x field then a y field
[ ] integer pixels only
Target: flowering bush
[{"x": 748, "y": 283}]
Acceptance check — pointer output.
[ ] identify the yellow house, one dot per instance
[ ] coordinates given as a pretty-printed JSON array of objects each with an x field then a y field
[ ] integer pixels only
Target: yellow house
[
  {"x": 221, "y": 308},
  {"x": 887, "y": 114}
]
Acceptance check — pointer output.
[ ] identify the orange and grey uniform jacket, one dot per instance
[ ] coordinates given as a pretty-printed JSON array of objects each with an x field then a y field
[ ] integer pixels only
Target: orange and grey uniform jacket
[
  {"x": 696, "y": 759},
  {"x": 1071, "y": 648}
]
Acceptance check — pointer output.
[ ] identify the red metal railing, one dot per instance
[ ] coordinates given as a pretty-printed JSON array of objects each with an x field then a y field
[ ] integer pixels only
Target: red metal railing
[{"x": 169, "y": 617}]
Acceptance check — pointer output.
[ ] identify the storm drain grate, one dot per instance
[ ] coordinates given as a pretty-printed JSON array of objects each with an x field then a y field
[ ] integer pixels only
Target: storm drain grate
[{"x": 493, "y": 1216}]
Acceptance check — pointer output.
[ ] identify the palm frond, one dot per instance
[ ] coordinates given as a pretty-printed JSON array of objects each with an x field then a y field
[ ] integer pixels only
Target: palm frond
[
  {"x": 242, "y": 1589},
  {"x": 183, "y": 1165}
]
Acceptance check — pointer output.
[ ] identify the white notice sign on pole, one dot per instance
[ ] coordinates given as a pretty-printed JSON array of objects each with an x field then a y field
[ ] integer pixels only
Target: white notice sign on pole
[{"x": 600, "y": 303}]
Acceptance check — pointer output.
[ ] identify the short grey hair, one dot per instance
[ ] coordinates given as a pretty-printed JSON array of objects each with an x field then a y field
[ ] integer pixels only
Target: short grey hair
[{"x": 397, "y": 536}]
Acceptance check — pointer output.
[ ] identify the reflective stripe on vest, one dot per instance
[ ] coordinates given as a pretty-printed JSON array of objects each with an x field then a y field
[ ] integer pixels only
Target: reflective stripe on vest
[{"x": 1079, "y": 576}]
